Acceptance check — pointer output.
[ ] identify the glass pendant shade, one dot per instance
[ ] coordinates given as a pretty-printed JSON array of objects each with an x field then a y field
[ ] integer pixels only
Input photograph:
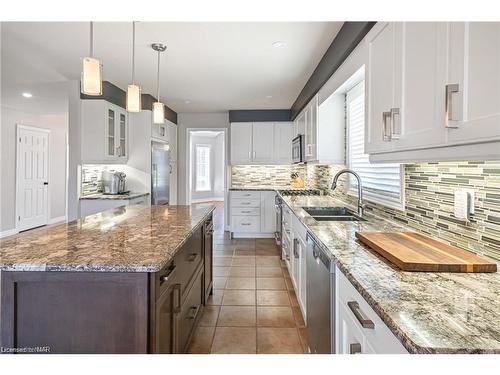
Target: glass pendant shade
[
  {"x": 134, "y": 98},
  {"x": 91, "y": 83},
  {"x": 158, "y": 113}
]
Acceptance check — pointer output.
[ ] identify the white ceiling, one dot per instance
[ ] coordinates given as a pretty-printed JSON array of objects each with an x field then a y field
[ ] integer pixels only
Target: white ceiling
[{"x": 215, "y": 66}]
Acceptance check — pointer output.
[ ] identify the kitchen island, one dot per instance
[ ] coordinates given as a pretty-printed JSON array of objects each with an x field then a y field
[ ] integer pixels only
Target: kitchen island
[{"x": 129, "y": 280}]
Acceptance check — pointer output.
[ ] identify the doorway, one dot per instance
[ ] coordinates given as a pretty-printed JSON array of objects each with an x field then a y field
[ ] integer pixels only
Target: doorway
[
  {"x": 206, "y": 165},
  {"x": 32, "y": 177}
]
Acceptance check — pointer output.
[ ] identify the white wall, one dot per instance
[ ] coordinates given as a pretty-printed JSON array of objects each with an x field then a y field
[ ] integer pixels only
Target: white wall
[
  {"x": 216, "y": 144},
  {"x": 58, "y": 126},
  {"x": 195, "y": 120}
]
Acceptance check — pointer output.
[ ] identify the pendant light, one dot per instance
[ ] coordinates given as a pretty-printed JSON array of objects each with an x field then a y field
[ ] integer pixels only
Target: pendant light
[
  {"x": 91, "y": 83},
  {"x": 158, "y": 106},
  {"x": 134, "y": 103}
]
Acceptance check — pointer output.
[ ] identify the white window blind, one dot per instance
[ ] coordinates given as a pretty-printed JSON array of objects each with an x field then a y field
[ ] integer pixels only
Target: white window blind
[
  {"x": 381, "y": 182},
  {"x": 203, "y": 168}
]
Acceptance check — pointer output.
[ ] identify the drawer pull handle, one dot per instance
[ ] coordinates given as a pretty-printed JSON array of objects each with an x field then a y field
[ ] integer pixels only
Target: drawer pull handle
[
  {"x": 246, "y": 224},
  {"x": 164, "y": 278},
  {"x": 246, "y": 212},
  {"x": 355, "y": 348},
  {"x": 192, "y": 257},
  {"x": 295, "y": 243},
  {"x": 245, "y": 203},
  {"x": 365, "y": 322},
  {"x": 193, "y": 312}
]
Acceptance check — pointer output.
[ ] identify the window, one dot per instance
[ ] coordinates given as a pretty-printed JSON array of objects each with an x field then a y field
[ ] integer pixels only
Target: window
[
  {"x": 203, "y": 168},
  {"x": 381, "y": 182}
]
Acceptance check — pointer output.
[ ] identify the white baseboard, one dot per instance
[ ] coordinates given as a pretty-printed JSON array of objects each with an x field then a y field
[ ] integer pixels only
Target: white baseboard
[
  {"x": 58, "y": 219},
  {"x": 9, "y": 232}
]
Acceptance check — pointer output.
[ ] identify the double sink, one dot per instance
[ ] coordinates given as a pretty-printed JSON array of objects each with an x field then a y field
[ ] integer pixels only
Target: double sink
[{"x": 332, "y": 214}]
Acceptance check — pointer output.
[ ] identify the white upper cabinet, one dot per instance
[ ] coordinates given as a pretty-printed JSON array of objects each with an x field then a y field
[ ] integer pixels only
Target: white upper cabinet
[
  {"x": 104, "y": 132},
  {"x": 261, "y": 143},
  {"x": 380, "y": 86},
  {"x": 433, "y": 91},
  {"x": 417, "y": 119},
  {"x": 474, "y": 65},
  {"x": 241, "y": 143},
  {"x": 283, "y": 133},
  {"x": 323, "y": 128}
]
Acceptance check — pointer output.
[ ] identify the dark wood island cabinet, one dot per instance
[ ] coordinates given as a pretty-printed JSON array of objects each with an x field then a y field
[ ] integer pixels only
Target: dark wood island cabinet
[{"x": 146, "y": 309}]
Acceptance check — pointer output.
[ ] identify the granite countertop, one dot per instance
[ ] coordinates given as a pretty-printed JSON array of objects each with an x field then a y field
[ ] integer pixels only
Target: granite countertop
[
  {"x": 266, "y": 188},
  {"x": 126, "y": 196},
  {"x": 428, "y": 312},
  {"x": 124, "y": 239}
]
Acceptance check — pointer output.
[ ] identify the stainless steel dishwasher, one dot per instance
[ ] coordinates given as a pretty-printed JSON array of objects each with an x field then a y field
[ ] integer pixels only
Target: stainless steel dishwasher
[{"x": 320, "y": 299}]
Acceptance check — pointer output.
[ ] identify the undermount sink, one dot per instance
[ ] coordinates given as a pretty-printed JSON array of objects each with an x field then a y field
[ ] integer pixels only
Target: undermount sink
[{"x": 332, "y": 214}]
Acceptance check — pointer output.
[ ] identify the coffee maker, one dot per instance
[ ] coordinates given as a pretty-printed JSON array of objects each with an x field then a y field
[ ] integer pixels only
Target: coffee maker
[{"x": 113, "y": 182}]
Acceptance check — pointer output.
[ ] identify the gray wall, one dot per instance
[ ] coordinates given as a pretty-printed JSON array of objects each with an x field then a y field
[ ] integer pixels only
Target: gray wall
[
  {"x": 58, "y": 126},
  {"x": 199, "y": 121}
]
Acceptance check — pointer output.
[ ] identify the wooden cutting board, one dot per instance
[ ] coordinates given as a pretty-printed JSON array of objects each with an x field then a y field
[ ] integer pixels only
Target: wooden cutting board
[{"x": 415, "y": 252}]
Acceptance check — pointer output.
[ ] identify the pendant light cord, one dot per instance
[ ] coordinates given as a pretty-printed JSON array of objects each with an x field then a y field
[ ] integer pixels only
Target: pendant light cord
[
  {"x": 91, "y": 39},
  {"x": 158, "y": 81},
  {"x": 133, "y": 52}
]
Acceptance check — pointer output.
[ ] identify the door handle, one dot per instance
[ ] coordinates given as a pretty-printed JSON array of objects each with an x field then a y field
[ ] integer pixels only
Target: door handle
[
  {"x": 177, "y": 288},
  {"x": 45, "y": 183},
  {"x": 365, "y": 322},
  {"x": 448, "y": 113},
  {"x": 386, "y": 128},
  {"x": 394, "y": 134}
]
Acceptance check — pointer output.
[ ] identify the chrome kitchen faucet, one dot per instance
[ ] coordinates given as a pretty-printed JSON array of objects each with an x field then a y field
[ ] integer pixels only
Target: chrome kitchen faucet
[{"x": 361, "y": 204}]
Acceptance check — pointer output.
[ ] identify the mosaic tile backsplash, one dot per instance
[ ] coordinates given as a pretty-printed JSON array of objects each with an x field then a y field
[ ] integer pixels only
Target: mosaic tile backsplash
[
  {"x": 429, "y": 196},
  {"x": 92, "y": 178}
]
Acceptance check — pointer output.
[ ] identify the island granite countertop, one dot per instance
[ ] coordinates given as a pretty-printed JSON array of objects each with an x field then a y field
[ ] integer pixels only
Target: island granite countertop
[
  {"x": 125, "y": 196},
  {"x": 124, "y": 239},
  {"x": 428, "y": 312}
]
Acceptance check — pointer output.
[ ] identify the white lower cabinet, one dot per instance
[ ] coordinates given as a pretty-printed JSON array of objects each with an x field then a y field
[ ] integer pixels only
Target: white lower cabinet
[
  {"x": 298, "y": 255},
  {"x": 252, "y": 214},
  {"x": 358, "y": 328}
]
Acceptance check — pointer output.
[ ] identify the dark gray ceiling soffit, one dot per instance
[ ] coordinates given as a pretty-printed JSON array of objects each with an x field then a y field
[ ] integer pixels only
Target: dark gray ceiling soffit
[{"x": 259, "y": 115}]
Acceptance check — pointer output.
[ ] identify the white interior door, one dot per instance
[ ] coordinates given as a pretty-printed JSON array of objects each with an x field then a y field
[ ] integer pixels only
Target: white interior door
[{"x": 32, "y": 177}]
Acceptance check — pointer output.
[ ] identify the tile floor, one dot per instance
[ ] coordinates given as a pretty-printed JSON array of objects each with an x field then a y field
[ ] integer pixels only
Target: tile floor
[{"x": 253, "y": 309}]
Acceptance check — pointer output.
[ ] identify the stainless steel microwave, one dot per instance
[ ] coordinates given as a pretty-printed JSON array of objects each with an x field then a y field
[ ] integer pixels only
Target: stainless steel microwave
[{"x": 298, "y": 149}]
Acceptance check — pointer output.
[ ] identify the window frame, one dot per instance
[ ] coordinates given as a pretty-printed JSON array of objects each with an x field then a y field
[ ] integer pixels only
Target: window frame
[
  {"x": 208, "y": 167},
  {"x": 352, "y": 190}
]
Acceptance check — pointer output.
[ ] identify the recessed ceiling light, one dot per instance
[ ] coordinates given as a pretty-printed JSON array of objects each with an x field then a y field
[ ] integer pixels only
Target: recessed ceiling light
[
  {"x": 187, "y": 101},
  {"x": 269, "y": 96},
  {"x": 279, "y": 44},
  {"x": 27, "y": 95}
]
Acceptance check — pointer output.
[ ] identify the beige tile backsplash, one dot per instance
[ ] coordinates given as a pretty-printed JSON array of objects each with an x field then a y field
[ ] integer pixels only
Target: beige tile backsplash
[{"x": 429, "y": 189}]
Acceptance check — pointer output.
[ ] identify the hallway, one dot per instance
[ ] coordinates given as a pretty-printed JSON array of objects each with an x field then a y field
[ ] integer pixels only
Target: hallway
[{"x": 253, "y": 308}]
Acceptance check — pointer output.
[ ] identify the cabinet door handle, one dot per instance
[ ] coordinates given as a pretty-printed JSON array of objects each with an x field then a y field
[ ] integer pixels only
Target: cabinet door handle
[
  {"x": 193, "y": 312},
  {"x": 386, "y": 127},
  {"x": 249, "y": 155},
  {"x": 448, "y": 113},
  {"x": 177, "y": 289},
  {"x": 365, "y": 322},
  {"x": 192, "y": 257},
  {"x": 394, "y": 134},
  {"x": 355, "y": 348},
  {"x": 165, "y": 277},
  {"x": 295, "y": 243},
  {"x": 254, "y": 154}
]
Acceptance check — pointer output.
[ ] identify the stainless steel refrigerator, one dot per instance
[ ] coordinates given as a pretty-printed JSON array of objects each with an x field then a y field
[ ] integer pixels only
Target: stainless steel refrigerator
[{"x": 160, "y": 173}]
